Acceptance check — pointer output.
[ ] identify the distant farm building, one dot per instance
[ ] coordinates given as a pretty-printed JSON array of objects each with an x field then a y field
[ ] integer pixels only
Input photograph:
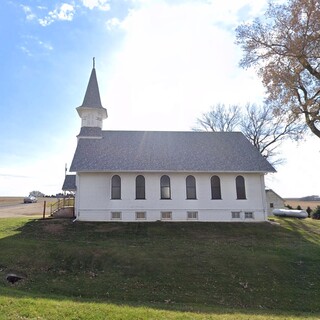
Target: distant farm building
[{"x": 274, "y": 201}]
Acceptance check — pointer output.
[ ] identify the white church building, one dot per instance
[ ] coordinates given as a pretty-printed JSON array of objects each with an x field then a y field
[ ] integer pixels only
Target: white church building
[{"x": 164, "y": 175}]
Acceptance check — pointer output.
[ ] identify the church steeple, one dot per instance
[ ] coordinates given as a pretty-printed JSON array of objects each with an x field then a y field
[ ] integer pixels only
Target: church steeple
[{"x": 91, "y": 111}]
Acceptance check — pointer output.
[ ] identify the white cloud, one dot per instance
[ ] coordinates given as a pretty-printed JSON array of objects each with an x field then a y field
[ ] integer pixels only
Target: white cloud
[
  {"x": 99, "y": 4},
  {"x": 26, "y": 51},
  {"x": 32, "y": 45},
  {"x": 28, "y": 11},
  {"x": 45, "y": 21},
  {"x": 113, "y": 23},
  {"x": 224, "y": 12},
  {"x": 45, "y": 45},
  {"x": 64, "y": 13},
  {"x": 175, "y": 62}
]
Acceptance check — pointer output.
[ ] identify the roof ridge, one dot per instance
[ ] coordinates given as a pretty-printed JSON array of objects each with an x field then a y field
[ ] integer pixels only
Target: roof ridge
[{"x": 174, "y": 131}]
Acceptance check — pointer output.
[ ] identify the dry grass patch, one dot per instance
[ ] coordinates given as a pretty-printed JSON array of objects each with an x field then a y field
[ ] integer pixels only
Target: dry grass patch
[
  {"x": 54, "y": 228},
  {"x": 7, "y": 201}
]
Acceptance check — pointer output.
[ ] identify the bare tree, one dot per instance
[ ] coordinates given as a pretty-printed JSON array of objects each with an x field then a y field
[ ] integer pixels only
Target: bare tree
[
  {"x": 285, "y": 50},
  {"x": 220, "y": 118},
  {"x": 266, "y": 130},
  {"x": 263, "y": 127}
]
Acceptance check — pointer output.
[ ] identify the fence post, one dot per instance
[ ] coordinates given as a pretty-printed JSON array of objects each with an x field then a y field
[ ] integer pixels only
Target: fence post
[{"x": 44, "y": 209}]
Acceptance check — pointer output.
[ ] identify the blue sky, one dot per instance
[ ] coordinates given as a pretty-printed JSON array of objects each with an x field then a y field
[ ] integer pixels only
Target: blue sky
[{"x": 160, "y": 64}]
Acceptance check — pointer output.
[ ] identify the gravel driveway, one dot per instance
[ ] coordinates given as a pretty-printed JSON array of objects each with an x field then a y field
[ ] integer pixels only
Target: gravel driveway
[{"x": 26, "y": 209}]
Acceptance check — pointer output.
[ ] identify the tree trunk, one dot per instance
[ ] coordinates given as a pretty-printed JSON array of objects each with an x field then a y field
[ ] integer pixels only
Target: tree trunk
[{"x": 311, "y": 125}]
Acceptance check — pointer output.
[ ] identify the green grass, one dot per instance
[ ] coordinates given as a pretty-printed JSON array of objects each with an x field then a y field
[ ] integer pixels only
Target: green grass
[{"x": 160, "y": 270}]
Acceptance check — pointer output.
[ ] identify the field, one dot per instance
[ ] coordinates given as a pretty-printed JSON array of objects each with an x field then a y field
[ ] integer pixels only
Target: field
[
  {"x": 12, "y": 201},
  {"x": 14, "y": 207},
  {"x": 303, "y": 204},
  {"x": 6, "y": 201},
  {"x": 160, "y": 270}
]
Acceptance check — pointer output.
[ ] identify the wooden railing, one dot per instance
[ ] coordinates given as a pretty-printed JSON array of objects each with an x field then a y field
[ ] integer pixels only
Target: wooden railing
[{"x": 60, "y": 204}]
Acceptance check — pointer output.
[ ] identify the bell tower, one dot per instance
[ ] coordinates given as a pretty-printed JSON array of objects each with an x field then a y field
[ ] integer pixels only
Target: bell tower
[{"x": 91, "y": 112}]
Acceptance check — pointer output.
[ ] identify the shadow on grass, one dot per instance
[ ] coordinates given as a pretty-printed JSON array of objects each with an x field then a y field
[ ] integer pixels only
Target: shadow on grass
[
  {"x": 215, "y": 268},
  {"x": 308, "y": 229}
]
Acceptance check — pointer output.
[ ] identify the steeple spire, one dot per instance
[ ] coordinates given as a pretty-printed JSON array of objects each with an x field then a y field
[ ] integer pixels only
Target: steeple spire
[
  {"x": 91, "y": 111},
  {"x": 92, "y": 96}
]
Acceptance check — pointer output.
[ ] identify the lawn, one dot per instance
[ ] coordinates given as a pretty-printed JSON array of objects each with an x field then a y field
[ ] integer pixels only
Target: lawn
[{"x": 160, "y": 270}]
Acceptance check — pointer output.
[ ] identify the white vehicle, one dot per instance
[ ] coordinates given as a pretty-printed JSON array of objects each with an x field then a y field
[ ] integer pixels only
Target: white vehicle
[
  {"x": 290, "y": 213},
  {"x": 30, "y": 199}
]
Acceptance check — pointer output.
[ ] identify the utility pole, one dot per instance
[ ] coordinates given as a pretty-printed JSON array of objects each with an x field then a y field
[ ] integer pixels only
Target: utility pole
[{"x": 65, "y": 175}]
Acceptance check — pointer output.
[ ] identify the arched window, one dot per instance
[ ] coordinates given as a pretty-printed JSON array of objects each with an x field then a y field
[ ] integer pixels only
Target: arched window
[
  {"x": 116, "y": 187},
  {"x": 191, "y": 187},
  {"x": 240, "y": 186},
  {"x": 215, "y": 187},
  {"x": 140, "y": 187},
  {"x": 165, "y": 187}
]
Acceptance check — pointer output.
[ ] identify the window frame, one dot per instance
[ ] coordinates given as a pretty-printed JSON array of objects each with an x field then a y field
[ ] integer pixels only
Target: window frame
[
  {"x": 141, "y": 213},
  {"x": 163, "y": 213},
  {"x": 116, "y": 218},
  {"x": 165, "y": 188},
  {"x": 115, "y": 187},
  {"x": 246, "y": 213},
  {"x": 191, "y": 188},
  {"x": 215, "y": 183},
  {"x": 140, "y": 187},
  {"x": 234, "y": 213},
  {"x": 241, "y": 188},
  {"x": 193, "y": 218}
]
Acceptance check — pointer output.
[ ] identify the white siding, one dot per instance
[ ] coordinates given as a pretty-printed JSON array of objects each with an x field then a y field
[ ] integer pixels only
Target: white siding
[
  {"x": 94, "y": 192},
  {"x": 91, "y": 117},
  {"x": 274, "y": 201}
]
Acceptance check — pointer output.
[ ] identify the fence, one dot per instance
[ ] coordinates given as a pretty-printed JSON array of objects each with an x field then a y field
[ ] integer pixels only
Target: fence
[{"x": 61, "y": 204}]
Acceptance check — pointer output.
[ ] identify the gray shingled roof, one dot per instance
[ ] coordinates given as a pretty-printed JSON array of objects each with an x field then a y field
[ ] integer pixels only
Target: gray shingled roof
[
  {"x": 168, "y": 151},
  {"x": 92, "y": 96},
  {"x": 69, "y": 183},
  {"x": 90, "y": 132}
]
